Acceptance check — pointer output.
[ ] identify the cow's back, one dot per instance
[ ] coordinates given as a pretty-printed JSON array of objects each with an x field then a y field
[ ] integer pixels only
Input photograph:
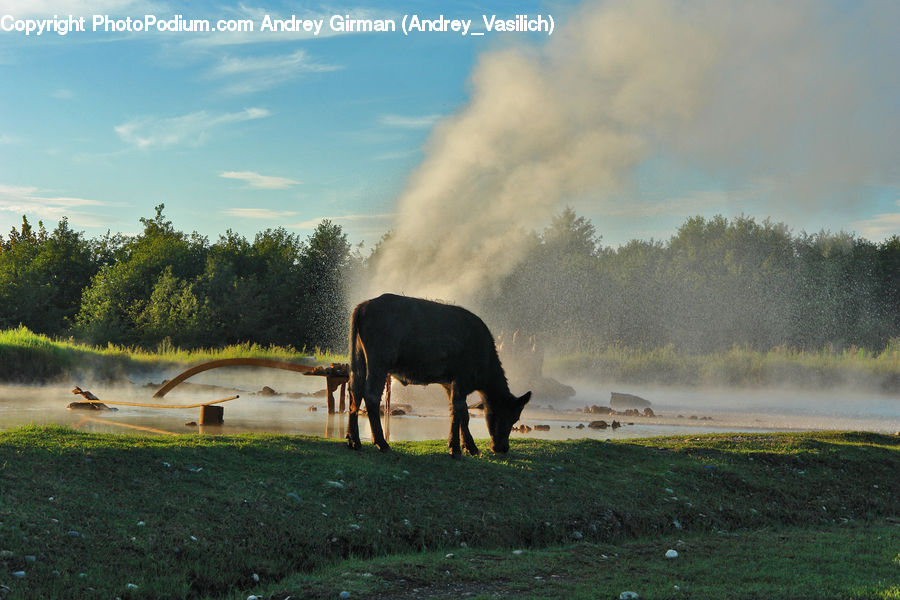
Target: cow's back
[{"x": 420, "y": 341}]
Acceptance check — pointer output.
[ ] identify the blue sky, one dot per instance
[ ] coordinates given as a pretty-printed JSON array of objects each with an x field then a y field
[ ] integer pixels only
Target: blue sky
[{"x": 250, "y": 131}]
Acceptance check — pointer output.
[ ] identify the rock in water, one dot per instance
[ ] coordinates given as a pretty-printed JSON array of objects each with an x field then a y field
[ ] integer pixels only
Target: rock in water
[{"x": 621, "y": 401}]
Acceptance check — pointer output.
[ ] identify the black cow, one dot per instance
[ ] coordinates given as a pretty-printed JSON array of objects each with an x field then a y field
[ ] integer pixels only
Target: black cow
[{"x": 420, "y": 342}]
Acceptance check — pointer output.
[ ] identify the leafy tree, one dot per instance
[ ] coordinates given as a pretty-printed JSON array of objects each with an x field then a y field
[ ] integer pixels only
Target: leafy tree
[
  {"x": 112, "y": 305},
  {"x": 324, "y": 266},
  {"x": 41, "y": 277}
]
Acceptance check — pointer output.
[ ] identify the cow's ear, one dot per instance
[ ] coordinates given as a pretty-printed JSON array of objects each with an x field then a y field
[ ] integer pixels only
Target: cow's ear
[{"x": 524, "y": 399}]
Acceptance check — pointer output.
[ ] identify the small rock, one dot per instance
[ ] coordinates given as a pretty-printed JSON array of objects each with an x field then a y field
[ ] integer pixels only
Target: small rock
[
  {"x": 577, "y": 535},
  {"x": 140, "y": 523},
  {"x": 18, "y": 574},
  {"x": 345, "y": 595},
  {"x": 130, "y": 586},
  {"x": 254, "y": 597},
  {"x": 336, "y": 484},
  {"x": 671, "y": 554},
  {"x": 4, "y": 590},
  {"x": 74, "y": 534},
  {"x": 6, "y": 554},
  {"x": 30, "y": 558},
  {"x": 312, "y": 408},
  {"x": 450, "y": 555},
  {"x": 256, "y": 577},
  {"x": 628, "y": 596},
  {"x": 191, "y": 424},
  {"x": 517, "y": 552},
  {"x": 267, "y": 391},
  {"x": 676, "y": 524},
  {"x": 294, "y": 496}
]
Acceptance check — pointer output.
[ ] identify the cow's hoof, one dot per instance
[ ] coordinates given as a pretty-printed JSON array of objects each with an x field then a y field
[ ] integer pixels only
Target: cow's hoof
[
  {"x": 354, "y": 444},
  {"x": 473, "y": 451},
  {"x": 384, "y": 448}
]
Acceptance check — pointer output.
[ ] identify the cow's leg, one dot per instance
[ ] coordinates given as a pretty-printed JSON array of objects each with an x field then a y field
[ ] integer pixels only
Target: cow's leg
[
  {"x": 453, "y": 442},
  {"x": 357, "y": 386},
  {"x": 353, "y": 423},
  {"x": 459, "y": 423},
  {"x": 462, "y": 417},
  {"x": 374, "y": 388}
]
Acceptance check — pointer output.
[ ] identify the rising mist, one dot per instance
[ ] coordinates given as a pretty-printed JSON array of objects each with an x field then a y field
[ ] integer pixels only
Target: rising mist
[{"x": 760, "y": 92}]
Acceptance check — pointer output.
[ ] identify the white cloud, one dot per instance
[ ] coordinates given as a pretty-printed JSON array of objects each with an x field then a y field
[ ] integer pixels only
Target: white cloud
[
  {"x": 408, "y": 122},
  {"x": 257, "y": 213},
  {"x": 266, "y": 182},
  {"x": 33, "y": 202},
  {"x": 253, "y": 74},
  {"x": 191, "y": 129},
  {"x": 883, "y": 226},
  {"x": 346, "y": 219}
]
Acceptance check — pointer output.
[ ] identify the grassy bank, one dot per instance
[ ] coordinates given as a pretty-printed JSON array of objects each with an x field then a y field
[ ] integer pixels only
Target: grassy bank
[
  {"x": 102, "y": 516},
  {"x": 738, "y": 367},
  {"x": 27, "y": 357}
]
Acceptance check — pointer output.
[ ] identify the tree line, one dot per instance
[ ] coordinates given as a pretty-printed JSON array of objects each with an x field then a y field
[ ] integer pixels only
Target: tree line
[
  {"x": 165, "y": 286},
  {"x": 715, "y": 284}
]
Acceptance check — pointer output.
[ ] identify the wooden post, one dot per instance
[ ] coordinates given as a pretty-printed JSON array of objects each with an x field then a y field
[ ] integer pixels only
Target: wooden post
[
  {"x": 212, "y": 415},
  {"x": 330, "y": 391},
  {"x": 343, "y": 393},
  {"x": 387, "y": 396}
]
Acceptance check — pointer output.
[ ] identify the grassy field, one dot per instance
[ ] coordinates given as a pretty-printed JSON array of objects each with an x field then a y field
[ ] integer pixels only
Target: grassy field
[{"x": 811, "y": 515}]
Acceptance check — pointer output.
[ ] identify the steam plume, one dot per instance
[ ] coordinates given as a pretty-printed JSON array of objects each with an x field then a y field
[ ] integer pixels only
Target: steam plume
[{"x": 718, "y": 83}]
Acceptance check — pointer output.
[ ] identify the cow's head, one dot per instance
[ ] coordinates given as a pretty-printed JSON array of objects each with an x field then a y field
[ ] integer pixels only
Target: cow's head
[{"x": 501, "y": 417}]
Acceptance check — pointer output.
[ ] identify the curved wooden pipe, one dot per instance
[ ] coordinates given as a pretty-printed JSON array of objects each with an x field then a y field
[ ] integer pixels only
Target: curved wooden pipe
[{"x": 231, "y": 362}]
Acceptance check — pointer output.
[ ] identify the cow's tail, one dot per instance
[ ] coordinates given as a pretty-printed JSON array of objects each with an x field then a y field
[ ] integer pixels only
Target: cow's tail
[{"x": 357, "y": 364}]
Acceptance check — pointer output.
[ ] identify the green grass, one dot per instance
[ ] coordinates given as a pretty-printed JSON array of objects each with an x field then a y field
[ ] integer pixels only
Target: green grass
[
  {"x": 826, "y": 562},
  {"x": 29, "y": 357},
  {"x": 738, "y": 367},
  {"x": 804, "y": 515}
]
